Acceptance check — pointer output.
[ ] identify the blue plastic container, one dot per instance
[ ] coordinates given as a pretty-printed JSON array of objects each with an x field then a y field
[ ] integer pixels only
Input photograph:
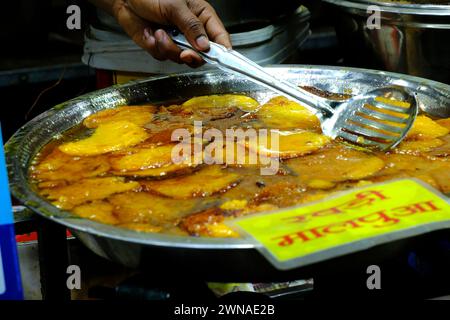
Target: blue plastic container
[{"x": 10, "y": 280}]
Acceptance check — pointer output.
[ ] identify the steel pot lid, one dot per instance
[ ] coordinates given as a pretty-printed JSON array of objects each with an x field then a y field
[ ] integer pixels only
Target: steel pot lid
[{"x": 395, "y": 7}]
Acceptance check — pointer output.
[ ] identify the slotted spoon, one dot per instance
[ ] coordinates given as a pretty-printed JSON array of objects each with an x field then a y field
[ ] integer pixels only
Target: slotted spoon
[{"x": 378, "y": 119}]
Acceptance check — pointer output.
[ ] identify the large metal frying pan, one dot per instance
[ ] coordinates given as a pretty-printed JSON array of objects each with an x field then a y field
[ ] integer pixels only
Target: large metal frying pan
[{"x": 213, "y": 259}]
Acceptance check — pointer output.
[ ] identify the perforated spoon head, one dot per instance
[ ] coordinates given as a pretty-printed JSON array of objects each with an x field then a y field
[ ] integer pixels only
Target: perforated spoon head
[{"x": 379, "y": 119}]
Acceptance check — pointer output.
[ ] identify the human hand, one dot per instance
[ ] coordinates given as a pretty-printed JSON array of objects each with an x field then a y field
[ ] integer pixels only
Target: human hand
[{"x": 195, "y": 18}]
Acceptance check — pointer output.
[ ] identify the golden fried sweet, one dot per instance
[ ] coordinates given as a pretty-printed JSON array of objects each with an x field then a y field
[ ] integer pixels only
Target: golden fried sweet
[
  {"x": 82, "y": 191},
  {"x": 139, "y": 115},
  {"x": 426, "y": 128},
  {"x": 58, "y": 166},
  {"x": 164, "y": 136},
  {"x": 52, "y": 184},
  {"x": 424, "y": 177},
  {"x": 213, "y": 108},
  {"x": 280, "y": 194},
  {"x": 169, "y": 170},
  {"x": 237, "y": 154},
  {"x": 281, "y": 113},
  {"x": 396, "y": 163},
  {"x": 208, "y": 223},
  {"x": 111, "y": 136},
  {"x": 222, "y": 101},
  {"x": 444, "y": 123},
  {"x": 419, "y": 146},
  {"x": 142, "y": 158},
  {"x": 143, "y": 207},
  {"x": 442, "y": 151},
  {"x": 234, "y": 205},
  {"x": 442, "y": 178},
  {"x": 220, "y": 230},
  {"x": 335, "y": 164},
  {"x": 432, "y": 170},
  {"x": 203, "y": 183},
  {"x": 320, "y": 184},
  {"x": 99, "y": 211},
  {"x": 290, "y": 144}
]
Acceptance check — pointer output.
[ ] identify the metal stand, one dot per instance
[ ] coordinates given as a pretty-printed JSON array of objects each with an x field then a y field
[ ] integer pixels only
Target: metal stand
[{"x": 53, "y": 252}]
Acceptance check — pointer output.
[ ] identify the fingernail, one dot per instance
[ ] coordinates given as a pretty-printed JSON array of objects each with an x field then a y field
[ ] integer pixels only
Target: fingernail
[
  {"x": 149, "y": 38},
  {"x": 159, "y": 34},
  {"x": 202, "y": 42},
  {"x": 151, "y": 41},
  {"x": 146, "y": 33}
]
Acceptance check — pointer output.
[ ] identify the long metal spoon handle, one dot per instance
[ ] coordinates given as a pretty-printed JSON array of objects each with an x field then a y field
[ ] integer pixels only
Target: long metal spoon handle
[{"x": 230, "y": 60}]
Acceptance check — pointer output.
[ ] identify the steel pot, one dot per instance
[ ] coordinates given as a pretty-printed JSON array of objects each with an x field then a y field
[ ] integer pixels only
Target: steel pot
[{"x": 412, "y": 38}]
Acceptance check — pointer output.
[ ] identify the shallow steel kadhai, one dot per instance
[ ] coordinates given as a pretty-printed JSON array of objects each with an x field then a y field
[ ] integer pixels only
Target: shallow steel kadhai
[{"x": 211, "y": 259}]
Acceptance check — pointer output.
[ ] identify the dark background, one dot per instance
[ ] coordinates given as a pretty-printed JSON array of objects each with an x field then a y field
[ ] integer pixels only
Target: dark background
[{"x": 37, "y": 51}]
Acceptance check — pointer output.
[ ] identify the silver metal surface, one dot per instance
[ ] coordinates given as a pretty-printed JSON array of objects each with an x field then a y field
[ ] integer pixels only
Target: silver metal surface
[
  {"x": 214, "y": 258},
  {"x": 412, "y": 38},
  {"x": 345, "y": 119},
  {"x": 428, "y": 7},
  {"x": 239, "y": 14},
  {"x": 361, "y": 119}
]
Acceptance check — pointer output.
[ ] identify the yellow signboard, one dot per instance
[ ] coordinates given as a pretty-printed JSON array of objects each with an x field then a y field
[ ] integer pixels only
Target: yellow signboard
[{"x": 347, "y": 223}]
